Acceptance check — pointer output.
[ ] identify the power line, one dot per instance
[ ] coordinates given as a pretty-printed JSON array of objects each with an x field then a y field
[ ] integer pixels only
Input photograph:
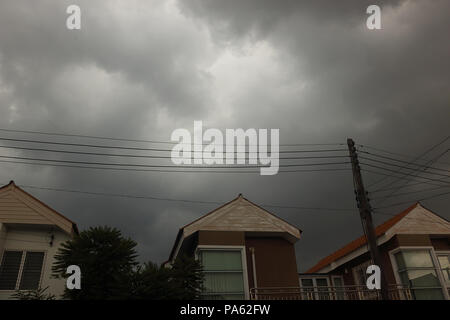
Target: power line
[
  {"x": 418, "y": 200},
  {"x": 120, "y": 195},
  {"x": 139, "y": 148},
  {"x": 409, "y": 174},
  {"x": 145, "y": 156},
  {"x": 130, "y": 196},
  {"x": 407, "y": 186},
  {"x": 170, "y": 170},
  {"x": 170, "y": 166},
  {"x": 417, "y": 173},
  {"x": 410, "y": 192},
  {"x": 399, "y": 166},
  {"x": 416, "y": 159},
  {"x": 401, "y": 161},
  {"x": 139, "y": 140},
  {"x": 399, "y": 177},
  {"x": 397, "y": 154}
]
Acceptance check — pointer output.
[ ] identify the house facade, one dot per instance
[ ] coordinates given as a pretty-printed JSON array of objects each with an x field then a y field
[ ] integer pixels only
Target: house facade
[
  {"x": 241, "y": 247},
  {"x": 30, "y": 235},
  {"x": 415, "y": 250}
]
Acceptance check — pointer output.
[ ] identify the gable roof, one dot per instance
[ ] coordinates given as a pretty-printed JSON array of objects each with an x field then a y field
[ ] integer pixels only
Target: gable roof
[
  {"x": 355, "y": 244},
  {"x": 239, "y": 214},
  {"x": 19, "y": 207}
]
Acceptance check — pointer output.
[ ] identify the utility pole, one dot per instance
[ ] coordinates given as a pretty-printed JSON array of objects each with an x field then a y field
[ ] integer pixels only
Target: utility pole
[{"x": 365, "y": 212}]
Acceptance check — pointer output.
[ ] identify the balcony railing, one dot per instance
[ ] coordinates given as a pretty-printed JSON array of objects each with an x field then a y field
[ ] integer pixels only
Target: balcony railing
[{"x": 396, "y": 292}]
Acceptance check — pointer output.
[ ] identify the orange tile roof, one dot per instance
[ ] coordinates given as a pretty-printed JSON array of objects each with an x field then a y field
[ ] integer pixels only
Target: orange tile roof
[{"x": 355, "y": 244}]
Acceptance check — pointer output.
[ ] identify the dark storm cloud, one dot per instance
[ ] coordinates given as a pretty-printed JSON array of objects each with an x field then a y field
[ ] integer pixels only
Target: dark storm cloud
[
  {"x": 141, "y": 69},
  {"x": 387, "y": 87}
]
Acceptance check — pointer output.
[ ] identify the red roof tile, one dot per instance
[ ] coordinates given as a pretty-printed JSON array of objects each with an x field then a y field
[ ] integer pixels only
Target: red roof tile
[{"x": 355, "y": 244}]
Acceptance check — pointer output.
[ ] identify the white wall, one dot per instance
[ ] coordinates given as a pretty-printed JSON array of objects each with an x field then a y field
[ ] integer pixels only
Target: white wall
[{"x": 36, "y": 239}]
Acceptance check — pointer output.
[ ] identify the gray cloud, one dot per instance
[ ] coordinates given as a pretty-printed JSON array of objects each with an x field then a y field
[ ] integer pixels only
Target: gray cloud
[{"x": 142, "y": 69}]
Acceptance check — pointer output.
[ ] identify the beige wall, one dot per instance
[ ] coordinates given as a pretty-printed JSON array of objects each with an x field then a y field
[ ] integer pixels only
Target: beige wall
[{"x": 35, "y": 239}]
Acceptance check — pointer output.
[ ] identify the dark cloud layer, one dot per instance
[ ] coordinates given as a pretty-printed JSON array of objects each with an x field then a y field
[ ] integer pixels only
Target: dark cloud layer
[{"x": 141, "y": 69}]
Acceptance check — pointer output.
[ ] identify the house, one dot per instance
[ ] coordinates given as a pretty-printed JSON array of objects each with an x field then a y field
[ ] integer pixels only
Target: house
[
  {"x": 241, "y": 247},
  {"x": 414, "y": 247},
  {"x": 30, "y": 235}
]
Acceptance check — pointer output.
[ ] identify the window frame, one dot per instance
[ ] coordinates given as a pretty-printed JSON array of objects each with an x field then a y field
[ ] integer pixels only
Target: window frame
[
  {"x": 315, "y": 288},
  {"x": 21, "y": 267},
  {"x": 241, "y": 249},
  {"x": 436, "y": 266},
  {"x": 443, "y": 253},
  {"x": 361, "y": 267}
]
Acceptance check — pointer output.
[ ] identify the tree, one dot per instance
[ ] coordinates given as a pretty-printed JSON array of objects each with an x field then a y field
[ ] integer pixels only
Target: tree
[
  {"x": 182, "y": 281},
  {"x": 38, "y": 294},
  {"x": 107, "y": 261},
  {"x": 187, "y": 275}
]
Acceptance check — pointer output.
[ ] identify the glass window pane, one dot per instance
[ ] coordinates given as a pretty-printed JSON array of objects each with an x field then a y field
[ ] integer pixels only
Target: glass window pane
[
  {"x": 428, "y": 294},
  {"x": 400, "y": 261},
  {"x": 423, "y": 278},
  {"x": 31, "y": 274},
  {"x": 417, "y": 259},
  {"x": 9, "y": 269},
  {"x": 224, "y": 282},
  {"x": 307, "y": 283},
  {"x": 322, "y": 282},
  {"x": 404, "y": 278},
  {"x": 444, "y": 261},
  {"x": 221, "y": 260},
  {"x": 337, "y": 282}
]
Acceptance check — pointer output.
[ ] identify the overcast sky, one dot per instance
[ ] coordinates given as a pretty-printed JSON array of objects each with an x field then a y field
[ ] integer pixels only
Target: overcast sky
[{"x": 141, "y": 69}]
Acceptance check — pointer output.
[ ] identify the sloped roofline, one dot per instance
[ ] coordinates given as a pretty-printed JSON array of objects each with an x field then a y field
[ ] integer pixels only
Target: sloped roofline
[
  {"x": 180, "y": 231},
  {"x": 13, "y": 185},
  {"x": 361, "y": 241}
]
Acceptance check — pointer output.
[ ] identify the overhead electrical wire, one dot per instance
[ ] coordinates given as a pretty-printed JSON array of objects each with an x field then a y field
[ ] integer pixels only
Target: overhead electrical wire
[
  {"x": 417, "y": 200},
  {"x": 140, "y": 140},
  {"x": 409, "y": 174},
  {"x": 363, "y": 146},
  {"x": 169, "y": 166},
  {"x": 145, "y": 156},
  {"x": 405, "y": 162},
  {"x": 399, "y": 166},
  {"x": 175, "y": 170},
  {"x": 415, "y": 160},
  {"x": 120, "y": 195}
]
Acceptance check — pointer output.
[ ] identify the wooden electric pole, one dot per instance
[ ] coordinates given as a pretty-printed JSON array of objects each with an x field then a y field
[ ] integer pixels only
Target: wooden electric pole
[{"x": 365, "y": 211}]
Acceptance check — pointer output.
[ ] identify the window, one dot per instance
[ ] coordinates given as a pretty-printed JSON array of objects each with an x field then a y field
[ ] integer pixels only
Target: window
[
  {"x": 339, "y": 288},
  {"x": 21, "y": 270},
  {"x": 224, "y": 274},
  {"x": 359, "y": 273},
  {"x": 417, "y": 270},
  {"x": 444, "y": 263},
  {"x": 315, "y": 288}
]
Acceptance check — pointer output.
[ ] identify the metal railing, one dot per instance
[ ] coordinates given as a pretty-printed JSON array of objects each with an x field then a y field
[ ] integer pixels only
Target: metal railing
[{"x": 396, "y": 292}]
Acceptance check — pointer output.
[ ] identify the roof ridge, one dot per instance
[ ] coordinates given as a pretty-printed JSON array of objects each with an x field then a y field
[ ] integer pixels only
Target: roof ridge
[{"x": 13, "y": 186}]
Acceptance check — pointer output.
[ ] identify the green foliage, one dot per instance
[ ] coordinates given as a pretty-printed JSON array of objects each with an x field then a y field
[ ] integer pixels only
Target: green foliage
[
  {"x": 109, "y": 270},
  {"x": 107, "y": 262},
  {"x": 38, "y": 294},
  {"x": 187, "y": 275},
  {"x": 183, "y": 281}
]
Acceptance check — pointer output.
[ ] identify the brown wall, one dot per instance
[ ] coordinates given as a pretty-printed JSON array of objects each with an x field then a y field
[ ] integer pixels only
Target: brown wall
[
  {"x": 224, "y": 238},
  {"x": 441, "y": 244},
  {"x": 275, "y": 261}
]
